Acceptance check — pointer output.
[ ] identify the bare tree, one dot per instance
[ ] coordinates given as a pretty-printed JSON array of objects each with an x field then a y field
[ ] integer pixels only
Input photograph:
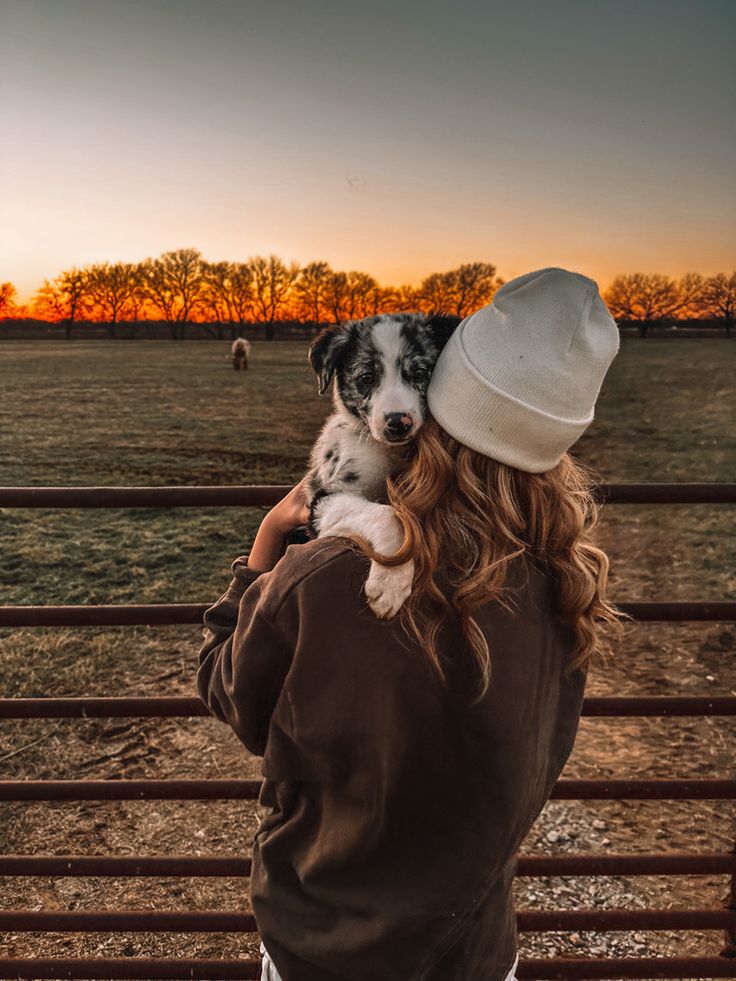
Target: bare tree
[
  {"x": 335, "y": 294},
  {"x": 175, "y": 285},
  {"x": 475, "y": 284},
  {"x": 460, "y": 291},
  {"x": 388, "y": 298},
  {"x": 311, "y": 291},
  {"x": 405, "y": 297},
  {"x": 215, "y": 294},
  {"x": 360, "y": 295},
  {"x": 272, "y": 281},
  {"x": 643, "y": 298},
  {"x": 689, "y": 292},
  {"x": 7, "y": 299},
  {"x": 112, "y": 287},
  {"x": 436, "y": 292},
  {"x": 139, "y": 304},
  {"x": 352, "y": 295},
  {"x": 240, "y": 297},
  {"x": 228, "y": 292},
  {"x": 65, "y": 299},
  {"x": 718, "y": 299}
]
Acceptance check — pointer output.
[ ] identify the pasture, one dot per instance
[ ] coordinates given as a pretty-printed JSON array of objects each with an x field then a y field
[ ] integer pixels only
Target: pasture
[{"x": 152, "y": 412}]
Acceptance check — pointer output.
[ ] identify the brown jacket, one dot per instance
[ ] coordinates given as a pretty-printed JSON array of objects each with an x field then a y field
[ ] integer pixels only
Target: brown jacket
[{"x": 396, "y": 806}]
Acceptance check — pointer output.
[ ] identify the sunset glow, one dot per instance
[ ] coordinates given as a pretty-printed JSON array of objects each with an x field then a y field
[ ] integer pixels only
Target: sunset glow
[{"x": 399, "y": 139}]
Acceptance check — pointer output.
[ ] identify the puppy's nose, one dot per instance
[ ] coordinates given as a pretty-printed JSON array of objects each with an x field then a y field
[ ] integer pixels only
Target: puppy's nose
[{"x": 398, "y": 423}]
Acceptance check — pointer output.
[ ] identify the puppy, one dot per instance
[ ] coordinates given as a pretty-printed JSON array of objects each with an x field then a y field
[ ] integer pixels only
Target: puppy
[
  {"x": 240, "y": 352},
  {"x": 379, "y": 368}
]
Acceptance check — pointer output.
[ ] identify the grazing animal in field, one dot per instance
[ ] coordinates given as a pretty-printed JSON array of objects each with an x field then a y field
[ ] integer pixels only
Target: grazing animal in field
[
  {"x": 381, "y": 367},
  {"x": 240, "y": 353}
]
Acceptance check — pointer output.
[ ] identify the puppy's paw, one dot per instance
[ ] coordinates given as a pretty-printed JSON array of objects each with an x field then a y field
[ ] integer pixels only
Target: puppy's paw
[{"x": 388, "y": 587}]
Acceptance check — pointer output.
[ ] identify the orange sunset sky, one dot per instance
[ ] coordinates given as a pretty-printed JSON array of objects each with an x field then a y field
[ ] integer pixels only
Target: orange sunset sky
[{"x": 399, "y": 138}]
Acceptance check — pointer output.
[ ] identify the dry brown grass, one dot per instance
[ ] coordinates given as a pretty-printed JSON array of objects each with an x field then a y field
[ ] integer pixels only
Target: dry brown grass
[{"x": 107, "y": 413}]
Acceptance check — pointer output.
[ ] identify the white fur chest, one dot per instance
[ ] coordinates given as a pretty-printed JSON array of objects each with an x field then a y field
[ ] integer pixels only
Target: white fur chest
[{"x": 346, "y": 459}]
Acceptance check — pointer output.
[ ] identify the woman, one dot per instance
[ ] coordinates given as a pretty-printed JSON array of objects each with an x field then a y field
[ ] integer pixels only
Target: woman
[{"x": 406, "y": 760}]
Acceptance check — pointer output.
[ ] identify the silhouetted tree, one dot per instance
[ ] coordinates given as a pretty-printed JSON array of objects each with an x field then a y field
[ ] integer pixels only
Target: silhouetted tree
[
  {"x": 388, "y": 299},
  {"x": 175, "y": 285},
  {"x": 689, "y": 293},
  {"x": 353, "y": 295},
  {"x": 335, "y": 295},
  {"x": 475, "y": 285},
  {"x": 272, "y": 281},
  {"x": 215, "y": 291},
  {"x": 139, "y": 302},
  {"x": 228, "y": 292},
  {"x": 460, "y": 291},
  {"x": 405, "y": 298},
  {"x": 360, "y": 295},
  {"x": 112, "y": 287},
  {"x": 643, "y": 298},
  {"x": 311, "y": 291},
  {"x": 65, "y": 298},
  {"x": 240, "y": 293},
  {"x": 718, "y": 299},
  {"x": 7, "y": 299},
  {"x": 435, "y": 292}
]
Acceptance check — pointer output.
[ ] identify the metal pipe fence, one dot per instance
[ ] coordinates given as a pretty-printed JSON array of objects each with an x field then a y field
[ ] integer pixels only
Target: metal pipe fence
[
  {"x": 169, "y": 969},
  {"x": 208, "y": 921},
  {"x": 180, "y": 706},
  {"x": 83, "y": 707},
  {"x": 27, "y": 790},
  {"x": 168, "y": 614}
]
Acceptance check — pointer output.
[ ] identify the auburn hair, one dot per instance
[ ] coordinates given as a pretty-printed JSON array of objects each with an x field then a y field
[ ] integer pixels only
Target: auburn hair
[{"x": 466, "y": 516}]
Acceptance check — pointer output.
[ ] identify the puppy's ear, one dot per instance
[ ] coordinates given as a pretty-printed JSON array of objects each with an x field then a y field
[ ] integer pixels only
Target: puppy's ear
[
  {"x": 325, "y": 353},
  {"x": 441, "y": 326}
]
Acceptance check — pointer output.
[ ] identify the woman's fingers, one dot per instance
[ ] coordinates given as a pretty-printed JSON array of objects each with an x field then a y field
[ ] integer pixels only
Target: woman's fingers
[{"x": 292, "y": 510}]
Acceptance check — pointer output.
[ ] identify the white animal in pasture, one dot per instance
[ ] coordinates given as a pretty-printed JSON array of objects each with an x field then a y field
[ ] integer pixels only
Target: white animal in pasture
[{"x": 240, "y": 353}]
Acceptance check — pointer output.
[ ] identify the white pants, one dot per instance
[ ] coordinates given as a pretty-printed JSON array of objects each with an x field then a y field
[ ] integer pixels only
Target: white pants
[
  {"x": 269, "y": 972},
  {"x": 268, "y": 968}
]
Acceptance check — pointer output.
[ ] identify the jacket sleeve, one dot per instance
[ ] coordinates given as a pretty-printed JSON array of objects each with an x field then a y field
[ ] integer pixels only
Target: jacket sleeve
[{"x": 244, "y": 659}]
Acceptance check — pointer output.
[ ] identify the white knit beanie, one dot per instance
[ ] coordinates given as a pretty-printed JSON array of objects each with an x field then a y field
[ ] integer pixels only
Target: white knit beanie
[{"x": 518, "y": 380}]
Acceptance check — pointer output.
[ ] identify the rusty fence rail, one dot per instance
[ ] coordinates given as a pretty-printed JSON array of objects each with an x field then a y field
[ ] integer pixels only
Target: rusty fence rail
[
  {"x": 264, "y": 495},
  {"x": 209, "y": 921},
  {"x": 168, "y": 969},
  {"x": 168, "y": 614},
  {"x": 239, "y": 865},
  {"x": 184, "y": 707},
  {"x": 27, "y": 790}
]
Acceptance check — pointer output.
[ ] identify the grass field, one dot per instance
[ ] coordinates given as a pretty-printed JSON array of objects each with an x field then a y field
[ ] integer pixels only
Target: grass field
[{"x": 161, "y": 413}]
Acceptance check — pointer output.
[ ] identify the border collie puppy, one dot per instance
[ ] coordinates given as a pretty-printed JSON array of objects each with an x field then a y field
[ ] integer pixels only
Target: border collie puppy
[
  {"x": 381, "y": 367},
  {"x": 240, "y": 352}
]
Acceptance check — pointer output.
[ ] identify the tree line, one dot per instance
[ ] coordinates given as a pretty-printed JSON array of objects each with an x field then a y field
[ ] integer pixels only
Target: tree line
[{"x": 181, "y": 287}]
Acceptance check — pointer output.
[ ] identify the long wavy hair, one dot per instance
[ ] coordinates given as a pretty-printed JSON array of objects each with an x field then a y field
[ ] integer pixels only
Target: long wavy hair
[{"x": 466, "y": 517}]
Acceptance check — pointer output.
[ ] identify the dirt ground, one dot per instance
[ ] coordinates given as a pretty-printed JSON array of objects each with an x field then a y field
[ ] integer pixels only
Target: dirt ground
[{"x": 113, "y": 413}]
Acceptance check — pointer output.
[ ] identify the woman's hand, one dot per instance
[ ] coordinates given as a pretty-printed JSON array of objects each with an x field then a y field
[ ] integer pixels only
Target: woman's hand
[{"x": 281, "y": 520}]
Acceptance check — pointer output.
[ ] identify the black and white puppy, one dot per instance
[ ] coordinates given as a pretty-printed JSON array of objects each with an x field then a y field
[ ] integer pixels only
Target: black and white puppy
[{"x": 381, "y": 367}]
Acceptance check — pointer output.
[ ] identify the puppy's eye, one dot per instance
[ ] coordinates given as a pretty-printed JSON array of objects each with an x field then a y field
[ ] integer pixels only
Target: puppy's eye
[
  {"x": 421, "y": 374},
  {"x": 366, "y": 378}
]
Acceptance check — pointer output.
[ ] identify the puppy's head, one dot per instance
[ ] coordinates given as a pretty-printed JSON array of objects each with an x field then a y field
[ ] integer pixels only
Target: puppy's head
[{"x": 382, "y": 366}]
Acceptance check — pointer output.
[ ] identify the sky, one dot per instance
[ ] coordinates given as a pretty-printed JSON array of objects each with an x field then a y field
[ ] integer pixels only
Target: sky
[{"x": 399, "y": 137}]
